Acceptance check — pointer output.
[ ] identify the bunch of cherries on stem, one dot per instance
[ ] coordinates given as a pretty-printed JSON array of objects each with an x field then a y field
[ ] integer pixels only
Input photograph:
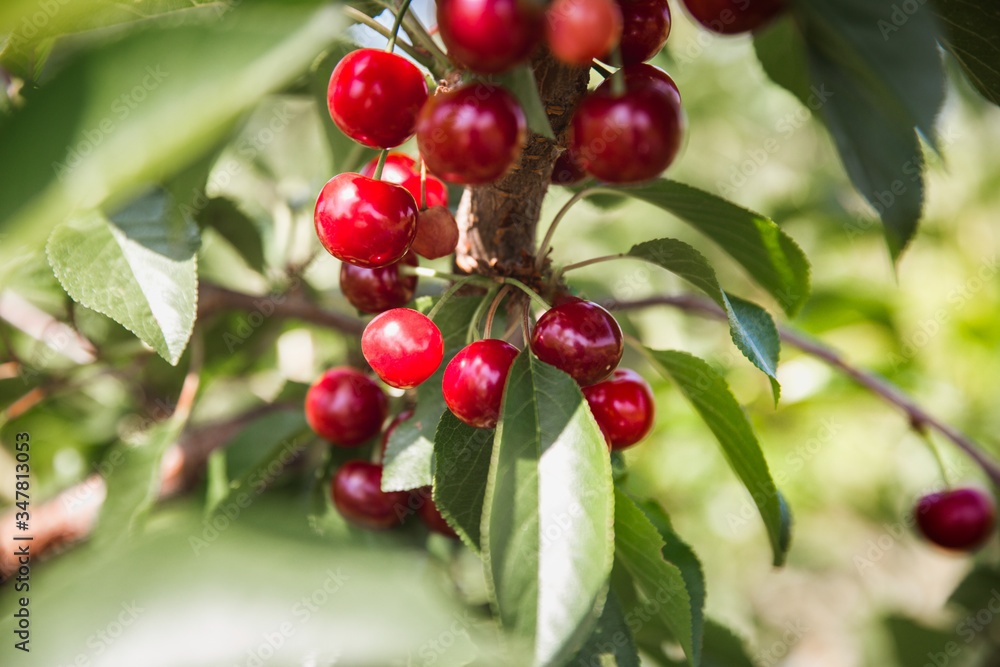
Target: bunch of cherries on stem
[{"x": 378, "y": 221}]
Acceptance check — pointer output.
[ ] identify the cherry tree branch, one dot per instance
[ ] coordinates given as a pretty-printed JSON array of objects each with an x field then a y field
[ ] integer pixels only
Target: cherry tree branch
[
  {"x": 919, "y": 418},
  {"x": 213, "y": 299}
]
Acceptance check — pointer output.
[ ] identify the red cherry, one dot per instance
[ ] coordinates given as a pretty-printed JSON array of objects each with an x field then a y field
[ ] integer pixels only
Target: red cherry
[
  {"x": 730, "y": 17},
  {"x": 402, "y": 169},
  {"x": 580, "y": 338},
  {"x": 567, "y": 170},
  {"x": 471, "y": 134},
  {"x": 378, "y": 290},
  {"x": 358, "y": 495},
  {"x": 374, "y": 97},
  {"x": 959, "y": 519},
  {"x": 645, "y": 27},
  {"x": 628, "y": 138},
  {"x": 365, "y": 222},
  {"x": 429, "y": 513},
  {"x": 403, "y": 347},
  {"x": 580, "y": 30},
  {"x": 437, "y": 233},
  {"x": 345, "y": 407},
  {"x": 474, "y": 381},
  {"x": 490, "y": 36},
  {"x": 393, "y": 425},
  {"x": 623, "y": 407}
]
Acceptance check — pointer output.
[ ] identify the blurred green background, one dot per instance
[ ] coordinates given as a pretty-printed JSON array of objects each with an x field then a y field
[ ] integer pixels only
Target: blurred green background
[{"x": 860, "y": 587}]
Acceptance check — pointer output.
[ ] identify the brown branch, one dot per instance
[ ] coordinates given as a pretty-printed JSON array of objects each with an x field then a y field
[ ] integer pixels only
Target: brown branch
[
  {"x": 213, "y": 299},
  {"x": 69, "y": 517},
  {"x": 919, "y": 418}
]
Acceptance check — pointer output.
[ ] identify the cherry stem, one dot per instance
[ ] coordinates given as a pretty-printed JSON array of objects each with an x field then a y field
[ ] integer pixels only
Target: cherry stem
[
  {"x": 488, "y": 329},
  {"x": 532, "y": 294},
  {"x": 422, "y": 204},
  {"x": 451, "y": 292},
  {"x": 473, "y": 332},
  {"x": 418, "y": 33},
  {"x": 362, "y": 18},
  {"x": 395, "y": 26},
  {"x": 543, "y": 248},
  {"x": 926, "y": 436},
  {"x": 618, "y": 78},
  {"x": 600, "y": 69},
  {"x": 426, "y": 272},
  {"x": 525, "y": 323},
  {"x": 586, "y": 262},
  {"x": 381, "y": 164}
]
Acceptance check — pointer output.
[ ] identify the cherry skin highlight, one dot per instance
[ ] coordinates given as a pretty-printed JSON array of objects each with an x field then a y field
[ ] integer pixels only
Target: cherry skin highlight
[
  {"x": 645, "y": 28},
  {"x": 378, "y": 290},
  {"x": 623, "y": 407},
  {"x": 403, "y": 347},
  {"x": 579, "y": 338},
  {"x": 490, "y": 36},
  {"x": 345, "y": 407},
  {"x": 471, "y": 134},
  {"x": 578, "y": 31},
  {"x": 960, "y": 519},
  {"x": 374, "y": 97},
  {"x": 365, "y": 222},
  {"x": 474, "y": 381},
  {"x": 358, "y": 496},
  {"x": 731, "y": 17},
  {"x": 402, "y": 169}
]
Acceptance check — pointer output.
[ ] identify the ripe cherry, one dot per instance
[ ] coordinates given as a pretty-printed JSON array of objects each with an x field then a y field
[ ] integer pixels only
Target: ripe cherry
[
  {"x": 393, "y": 425},
  {"x": 404, "y": 347},
  {"x": 580, "y": 338},
  {"x": 365, "y": 222},
  {"x": 471, "y": 134},
  {"x": 437, "y": 233},
  {"x": 378, "y": 290},
  {"x": 345, "y": 407},
  {"x": 959, "y": 519},
  {"x": 402, "y": 169},
  {"x": 358, "y": 495},
  {"x": 490, "y": 36},
  {"x": 374, "y": 97},
  {"x": 645, "y": 27},
  {"x": 623, "y": 407},
  {"x": 730, "y": 17},
  {"x": 474, "y": 381},
  {"x": 567, "y": 170},
  {"x": 628, "y": 138},
  {"x": 429, "y": 513},
  {"x": 578, "y": 31}
]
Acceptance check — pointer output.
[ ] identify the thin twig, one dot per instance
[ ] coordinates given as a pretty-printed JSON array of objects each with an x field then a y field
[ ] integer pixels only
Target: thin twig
[
  {"x": 213, "y": 298},
  {"x": 918, "y": 417},
  {"x": 362, "y": 18}
]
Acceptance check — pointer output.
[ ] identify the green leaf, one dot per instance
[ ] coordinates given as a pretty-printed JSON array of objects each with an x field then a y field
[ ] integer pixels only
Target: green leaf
[
  {"x": 972, "y": 36},
  {"x": 170, "y": 91},
  {"x": 409, "y": 454},
  {"x": 639, "y": 549},
  {"x": 710, "y": 395},
  {"x": 781, "y": 53},
  {"x": 723, "y": 648},
  {"x": 232, "y": 224},
  {"x": 611, "y": 643},
  {"x": 917, "y": 644},
  {"x": 216, "y": 480},
  {"x": 461, "y": 468},
  {"x": 751, "y": 327},
  {"x": 521, "y": 82},
  {"x": 547, "y": 542},
  {"x": 771, "y": 257},
  {"x": 877, "y": 76},
  {"x": 254, "y": 481},
  {"x": 139, "y": 268}
]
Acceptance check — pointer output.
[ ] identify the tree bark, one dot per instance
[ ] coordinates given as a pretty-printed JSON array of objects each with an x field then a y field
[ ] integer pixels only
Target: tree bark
[{"x": 497, "y": 222}]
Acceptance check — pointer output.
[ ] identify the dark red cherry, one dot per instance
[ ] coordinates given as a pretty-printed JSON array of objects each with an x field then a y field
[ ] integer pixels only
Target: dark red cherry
[
  {"x": 580, "y": 338},
  {"x": 393, "y": 425},
  {"x": 730, "y": 17},
  {"x": 437, "y": 233},
  {"x": 404, "y": 347},
  {"x": 578, "y": 31},
  {"x": 960, "y": 519},
  {"x": 623, "y": 407},
  {"x": 358, "y": 495},
  {"x": 374, "y": 97},
  {"x": 645, "y": 27},
  {"x": 378, "y": 290},
  {"x": 429, "y": 512},
  {"x": 628, "y": 138},
  {"x": 490, "y": 36},
  {"x": 402, "y": 169},
  {"x": 474, "y": 381},
  {"x": 345, "y": 407},
  {"x": 471, "y": 134},
  {"x": 567, "y": 170},
  {"x": 365, "y": 222}
]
